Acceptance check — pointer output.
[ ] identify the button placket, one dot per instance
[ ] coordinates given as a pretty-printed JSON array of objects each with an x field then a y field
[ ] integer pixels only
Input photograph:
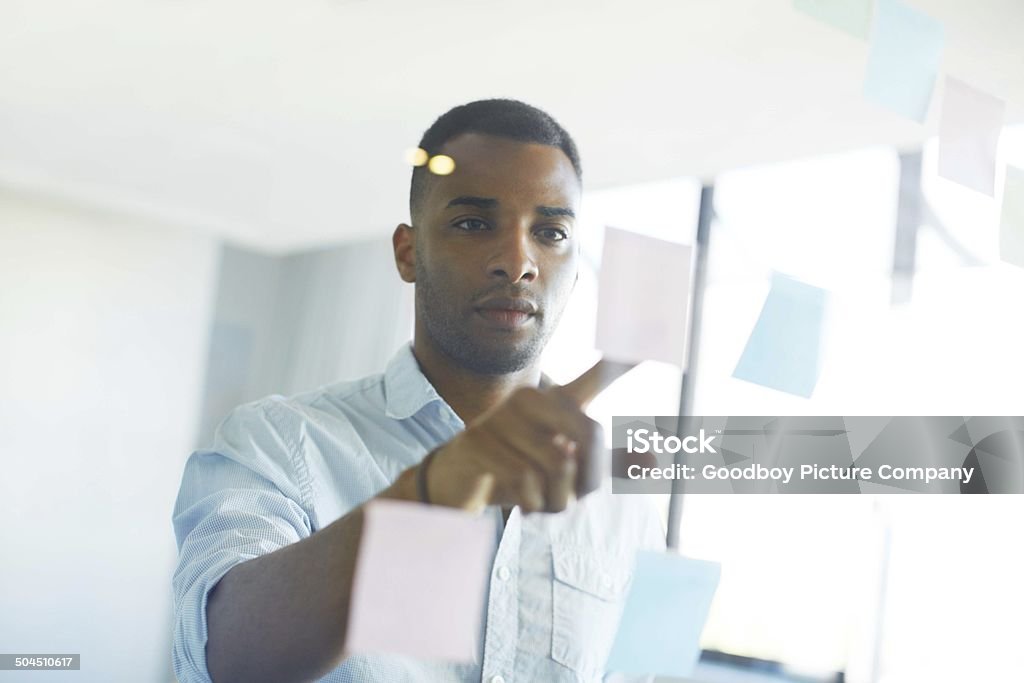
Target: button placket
[{"x": 502, "y": 634}]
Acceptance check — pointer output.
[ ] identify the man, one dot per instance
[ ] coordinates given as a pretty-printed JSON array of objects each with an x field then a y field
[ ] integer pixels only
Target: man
[{"x": 268, "y": 520}]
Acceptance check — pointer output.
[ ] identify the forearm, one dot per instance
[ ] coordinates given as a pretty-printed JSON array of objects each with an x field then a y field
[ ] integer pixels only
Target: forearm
[{"x": 282, "y": 617}]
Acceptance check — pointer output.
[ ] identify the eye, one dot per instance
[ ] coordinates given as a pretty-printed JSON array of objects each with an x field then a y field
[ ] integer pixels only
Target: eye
[
  {"x": 553, "y": 234},
  {"x": 471, "y": 224}
]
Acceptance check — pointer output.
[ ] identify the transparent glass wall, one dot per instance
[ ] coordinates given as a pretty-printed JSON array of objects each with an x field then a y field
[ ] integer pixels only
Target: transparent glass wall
[{"x": 862, "y": 584}]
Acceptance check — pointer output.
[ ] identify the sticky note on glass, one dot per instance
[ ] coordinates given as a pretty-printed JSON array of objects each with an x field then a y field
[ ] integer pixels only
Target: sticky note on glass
[
  {"x": 1011, "y": 224},
  {"x": 903, "y": 59},
  {"x": 851, "y": 16},
  {"x": 420, "y": 582},
  {"x": 667, "y": 606},
  {"x": 784, "y": 349},
  {"x": 968, "y": 136},
  {"x": 643, "y": 298}
]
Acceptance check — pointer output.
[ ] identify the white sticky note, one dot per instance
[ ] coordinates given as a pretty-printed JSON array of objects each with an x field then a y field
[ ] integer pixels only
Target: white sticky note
[
  {"x": 1011, "y": 224},
  {"x": 968, "y": 136},
  {"x": 667, "y": 606},
  {"x": 643, "y": 298},
  {"x": 904, "y": 59},
  {"x": 420, "y": 582}
]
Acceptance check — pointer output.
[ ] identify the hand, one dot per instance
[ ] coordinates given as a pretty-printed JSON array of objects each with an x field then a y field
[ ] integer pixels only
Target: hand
[{"x": 536, "y": 449}]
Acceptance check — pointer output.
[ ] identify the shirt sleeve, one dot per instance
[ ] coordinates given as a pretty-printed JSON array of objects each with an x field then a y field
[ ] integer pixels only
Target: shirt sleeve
[{"x": 239, "y": 500}]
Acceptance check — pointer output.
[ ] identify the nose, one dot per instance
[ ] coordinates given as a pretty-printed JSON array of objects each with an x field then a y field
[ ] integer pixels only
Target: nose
[{"x": 514, "y": 259}]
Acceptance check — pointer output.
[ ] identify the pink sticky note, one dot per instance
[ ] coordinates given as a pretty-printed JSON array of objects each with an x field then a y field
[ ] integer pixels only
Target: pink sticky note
[
  {"x": 643, "y": 298},
  {"x": 420, "y": 581},
  {"x": 968, "y": 136}
]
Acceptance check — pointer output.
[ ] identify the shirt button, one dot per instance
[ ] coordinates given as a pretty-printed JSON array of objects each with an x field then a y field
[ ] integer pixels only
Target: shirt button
[
  {"x": 606, "y": 581},
  {"x": 498, "y": 679},
  {"x": 503, "y": 573}
]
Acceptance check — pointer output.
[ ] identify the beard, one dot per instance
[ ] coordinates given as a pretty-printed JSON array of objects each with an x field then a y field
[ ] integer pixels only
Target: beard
[{"x": 451, "y": 328}]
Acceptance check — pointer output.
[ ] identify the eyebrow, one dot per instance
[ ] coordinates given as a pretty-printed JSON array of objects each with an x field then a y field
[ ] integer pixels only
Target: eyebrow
[
  {"x": 552, "y": 211},
  {"x": 491, "y": 203}
]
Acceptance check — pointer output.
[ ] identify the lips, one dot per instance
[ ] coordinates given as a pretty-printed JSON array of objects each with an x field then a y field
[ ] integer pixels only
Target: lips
[
  {"x": 510, "y": 304},
  {"x": 508, "y": 312}
]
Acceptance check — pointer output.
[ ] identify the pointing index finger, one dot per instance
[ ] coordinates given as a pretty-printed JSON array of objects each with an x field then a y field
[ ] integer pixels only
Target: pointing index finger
[{"x": 587, "y": 386}]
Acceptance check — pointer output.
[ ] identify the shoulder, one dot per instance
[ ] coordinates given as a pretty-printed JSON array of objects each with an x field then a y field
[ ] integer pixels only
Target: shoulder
[
  {"x": 281, "y": 420},
  {"x": 268, "y": 435}
]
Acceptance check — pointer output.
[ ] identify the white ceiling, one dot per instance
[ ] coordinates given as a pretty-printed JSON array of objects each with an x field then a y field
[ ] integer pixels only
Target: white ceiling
[{"x": 282, "y": 125}]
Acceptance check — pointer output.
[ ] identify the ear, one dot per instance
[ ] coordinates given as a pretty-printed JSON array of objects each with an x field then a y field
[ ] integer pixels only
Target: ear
[{"x": 404, "y": 243}]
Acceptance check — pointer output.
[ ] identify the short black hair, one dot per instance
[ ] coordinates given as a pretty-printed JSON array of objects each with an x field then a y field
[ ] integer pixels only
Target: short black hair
[{"x": 499, "y": 117}]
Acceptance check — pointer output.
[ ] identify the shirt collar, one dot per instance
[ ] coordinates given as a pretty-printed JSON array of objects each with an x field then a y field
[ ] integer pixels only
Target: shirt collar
[{"x": 407, "y": 390}]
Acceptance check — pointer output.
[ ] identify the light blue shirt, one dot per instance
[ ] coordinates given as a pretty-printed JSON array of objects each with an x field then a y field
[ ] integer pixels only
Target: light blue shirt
[{"x": 282, "y": 468}]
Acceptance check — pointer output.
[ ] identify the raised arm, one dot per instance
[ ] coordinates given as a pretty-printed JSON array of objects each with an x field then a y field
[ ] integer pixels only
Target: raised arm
[{"x": 282, "y": 617}]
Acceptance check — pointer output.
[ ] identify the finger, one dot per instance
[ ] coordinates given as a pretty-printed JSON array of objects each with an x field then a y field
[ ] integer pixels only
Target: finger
[
  {"x": 558, "y": 414},
  {"x": 542, "y": 414},
  {"x": 529, "y": 489},
  {"x": 592, "y": 461},
  {"x": 530, "y": 493},
  {"x": 532, "y": 427},
  {"x": 622, "y": 459},
  {"x": 552, "y": 455},
  {"x": 587, "y": 386},
  {"x": 561, "y": 485},
  {"x": 517, "y": 480}
]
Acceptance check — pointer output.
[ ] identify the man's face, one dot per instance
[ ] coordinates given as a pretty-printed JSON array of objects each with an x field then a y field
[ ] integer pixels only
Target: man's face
[{"x": 495, "y": 252}]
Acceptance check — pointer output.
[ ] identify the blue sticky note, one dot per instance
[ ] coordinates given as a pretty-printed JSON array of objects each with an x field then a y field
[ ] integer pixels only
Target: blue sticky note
[
  {"x": 784, "y": 350},
  {"x": 668, "y": 603},
  {"x": 904, "y": 59}
]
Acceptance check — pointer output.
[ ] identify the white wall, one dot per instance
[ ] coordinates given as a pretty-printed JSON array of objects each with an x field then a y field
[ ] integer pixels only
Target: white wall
[
  {"x": 104, "y": 326},
  {"x": 241, "y": 348},
  {"x": 342, "y": 313},
  {"x": 285, "y": 324}
]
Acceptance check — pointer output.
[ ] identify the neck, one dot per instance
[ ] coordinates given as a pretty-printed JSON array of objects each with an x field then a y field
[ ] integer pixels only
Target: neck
[{"x": 468, "y": 393}]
